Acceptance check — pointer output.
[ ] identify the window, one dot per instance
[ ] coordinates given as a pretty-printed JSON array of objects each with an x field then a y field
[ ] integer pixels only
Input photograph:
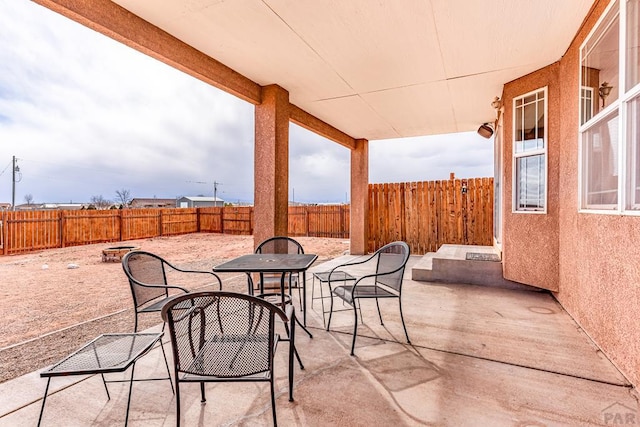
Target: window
[
  {"x": 530, "y": 152},
  {"x": 610, "y": 115},
  {"x": 633, "y": 156},
  {"x": 586, "y": 104}
]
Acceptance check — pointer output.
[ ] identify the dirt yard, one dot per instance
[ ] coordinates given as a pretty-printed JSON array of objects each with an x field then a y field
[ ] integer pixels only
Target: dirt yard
[{"x": 53, "y": 301}]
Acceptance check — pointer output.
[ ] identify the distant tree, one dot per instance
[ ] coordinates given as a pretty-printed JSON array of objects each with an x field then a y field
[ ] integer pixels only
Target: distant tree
[
  {"x": 123, "y": 197},
  {"x": 100, "y": 202},
  {"x": 28, "y": 198}
]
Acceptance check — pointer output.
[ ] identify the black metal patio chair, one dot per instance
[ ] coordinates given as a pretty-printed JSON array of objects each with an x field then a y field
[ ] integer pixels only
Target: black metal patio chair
[
  {"x": 147, "y": 274},
  {"x": 384, "y": 282},
  {"x": 281, "y": 245},
  {"x": 225, "y": 336}
]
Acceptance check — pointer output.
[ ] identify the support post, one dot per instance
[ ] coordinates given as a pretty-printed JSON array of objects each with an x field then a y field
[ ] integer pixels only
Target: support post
[
  {"x": 360, "y": 197},
  {"x": 271, "y": 180}
]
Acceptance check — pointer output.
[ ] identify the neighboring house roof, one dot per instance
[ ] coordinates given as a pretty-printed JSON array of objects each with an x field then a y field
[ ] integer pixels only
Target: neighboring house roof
[
  {"x": 64, "y": 206},
  {"x": 202, "y": 199},
  {"x": 152, "y": 202},
  {"x": 28, "y": 206}
]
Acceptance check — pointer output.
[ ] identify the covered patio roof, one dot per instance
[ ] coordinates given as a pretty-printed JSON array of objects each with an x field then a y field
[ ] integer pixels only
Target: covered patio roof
[{"x": 372, "y": 70}]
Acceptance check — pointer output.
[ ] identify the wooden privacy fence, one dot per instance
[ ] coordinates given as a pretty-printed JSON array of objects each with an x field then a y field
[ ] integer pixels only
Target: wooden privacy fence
[
  {"x": 424, "y": 214},
  {"x": 27, "y": 231},
  {"x": 427, "y": 215},
  {"x": 320, "y": 221}
]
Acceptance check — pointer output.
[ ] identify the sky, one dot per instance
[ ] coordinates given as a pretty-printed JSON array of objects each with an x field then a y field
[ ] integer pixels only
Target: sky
[{"x": 86, "y": 116}]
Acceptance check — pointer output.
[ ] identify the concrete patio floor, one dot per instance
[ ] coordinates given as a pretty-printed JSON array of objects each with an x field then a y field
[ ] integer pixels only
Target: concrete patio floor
[{"x": 479, "y": 356}]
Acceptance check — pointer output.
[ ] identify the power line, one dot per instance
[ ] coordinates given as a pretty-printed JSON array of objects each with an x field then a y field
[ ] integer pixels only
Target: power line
[
  {"x": 6, "y": 167},
  {"x": 215, "y": 187}
]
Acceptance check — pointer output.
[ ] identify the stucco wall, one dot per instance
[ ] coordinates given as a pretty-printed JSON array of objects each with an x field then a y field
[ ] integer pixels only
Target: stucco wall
[
  {"x": 596, "y": 258},
  {"x": 599, "y": 254},
  {"x": 530, "y": 244}
]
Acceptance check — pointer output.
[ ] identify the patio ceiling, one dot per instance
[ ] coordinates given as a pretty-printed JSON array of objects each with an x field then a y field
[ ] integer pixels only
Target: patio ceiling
[{"x": 377, "y": 70}]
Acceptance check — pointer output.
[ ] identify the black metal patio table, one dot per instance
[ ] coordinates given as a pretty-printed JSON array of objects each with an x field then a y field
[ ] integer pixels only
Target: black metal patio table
[
  {"x": 272, "y": 263},
  {"x": 106, "y": 354}
]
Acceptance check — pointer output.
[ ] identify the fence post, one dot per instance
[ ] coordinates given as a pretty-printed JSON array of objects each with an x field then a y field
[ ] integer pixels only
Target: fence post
[
  {"x": 120, "y": 222},
  {"x": 62, "y": 236},
  {"x": 160, "y": 224},
  {"x": 251, "y": 221},
  {"x": 5, "y": 233}
]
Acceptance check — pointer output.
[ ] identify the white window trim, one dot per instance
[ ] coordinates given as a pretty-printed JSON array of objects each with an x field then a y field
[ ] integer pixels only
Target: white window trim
[
  {"x": 619, "y": 105},
  {"x": 515, "y": 156}
]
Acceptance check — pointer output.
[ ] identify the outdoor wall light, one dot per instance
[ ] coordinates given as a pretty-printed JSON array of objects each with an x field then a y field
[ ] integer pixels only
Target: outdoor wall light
[
  {"x": 496, "y": 103},
  {"x": 485, "y": 130},
  {"x": 604, "y": 90}
]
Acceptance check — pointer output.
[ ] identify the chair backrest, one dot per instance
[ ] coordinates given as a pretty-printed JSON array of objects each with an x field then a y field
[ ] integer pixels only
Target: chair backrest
[
  {"x": 392, "y": 258},
  {"x": 221, "y": 334},
  {"x": 144, "y": 268},
  {"x": 279, "y": 245}
]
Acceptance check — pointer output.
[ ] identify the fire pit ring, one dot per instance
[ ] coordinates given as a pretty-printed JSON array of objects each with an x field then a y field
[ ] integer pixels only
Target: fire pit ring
[{"x": 115, "y": 254}]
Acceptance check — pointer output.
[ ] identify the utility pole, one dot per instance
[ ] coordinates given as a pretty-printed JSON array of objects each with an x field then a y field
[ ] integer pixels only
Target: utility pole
[
  {"x": 215, "y": 188},
  {"x": 15, "y": 168},
  {"x": 215, "y": 192}
]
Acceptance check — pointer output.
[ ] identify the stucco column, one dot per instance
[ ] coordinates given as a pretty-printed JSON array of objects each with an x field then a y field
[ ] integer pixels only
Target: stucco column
[
  {"x": 360, "y": 197},
  {"x": 271, "y": 170}
]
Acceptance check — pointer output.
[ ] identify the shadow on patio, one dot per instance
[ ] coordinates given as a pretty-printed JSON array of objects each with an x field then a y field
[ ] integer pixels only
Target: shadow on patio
[{"x": 479, "y": 356}]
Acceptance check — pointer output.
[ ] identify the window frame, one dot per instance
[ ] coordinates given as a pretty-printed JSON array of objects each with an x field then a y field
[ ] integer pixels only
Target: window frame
[
  {"x": 628, "y": 168},
  {"x": 531, "y": 153}
]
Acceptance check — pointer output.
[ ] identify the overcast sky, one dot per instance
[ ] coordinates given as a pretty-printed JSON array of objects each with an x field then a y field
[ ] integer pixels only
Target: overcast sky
[{"x": 87, "y": 116}]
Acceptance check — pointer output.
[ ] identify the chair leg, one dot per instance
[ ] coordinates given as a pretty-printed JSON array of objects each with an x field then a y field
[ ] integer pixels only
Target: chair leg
[
  {"x": 204, "y": 399},
  {"x": 330, "y": 308},
  {"x": 303, "y": 327},
  {"x": 379, "y": 313},
  {"x": 105, "y": 386},
  {"x": 292, "y": 343},
  {"x": 126, "y": 420},
  {"x": 177, "y": 400},
  {"x": 324, "y": 312},
  {"x": 273, "y": 403},
  {"x": 167, "y": 365},
  {"x": 302, "y": 288},
  {"x": 44, "y": 399},
  {"x": 355, "y": 328},
  {"x": 359, "y": 308},
  {"x": 402, "y": 318}
]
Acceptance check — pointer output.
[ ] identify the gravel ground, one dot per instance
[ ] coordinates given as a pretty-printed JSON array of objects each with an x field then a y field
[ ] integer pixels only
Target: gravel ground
[{"x": 54, "y": 301}]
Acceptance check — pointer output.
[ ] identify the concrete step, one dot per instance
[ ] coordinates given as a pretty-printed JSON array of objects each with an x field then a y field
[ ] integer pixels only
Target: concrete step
[{"x": 469, "y": 264}]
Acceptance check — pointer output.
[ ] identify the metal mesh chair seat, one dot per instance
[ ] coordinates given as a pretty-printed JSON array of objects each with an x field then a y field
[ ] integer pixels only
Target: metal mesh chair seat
[
  {"x": 232, "y": 356},
  {"x": 108, "y": 353},
  {"x": 390, "y": 262},
  {"x": 155, "y": 306},
  {"x": 346, "y": 292},
  {"x": 225, "y": 336}
]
